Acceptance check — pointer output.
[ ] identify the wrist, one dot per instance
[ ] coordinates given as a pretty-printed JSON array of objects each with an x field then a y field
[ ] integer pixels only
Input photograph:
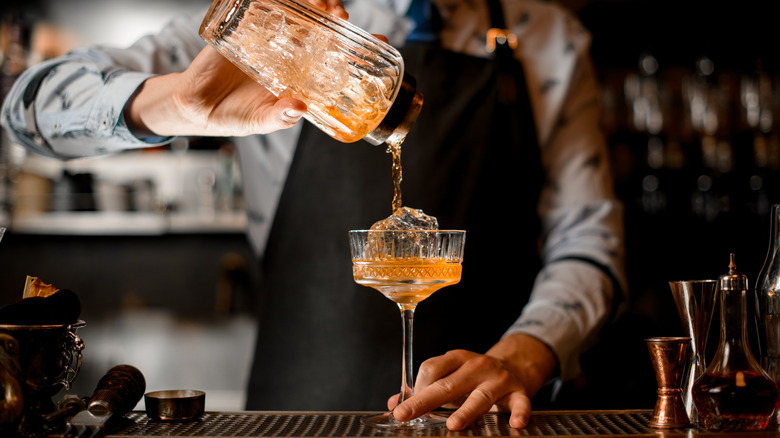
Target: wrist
[
  {"x": 530, "y": 359},
  {"x": 149, "y": 112}
]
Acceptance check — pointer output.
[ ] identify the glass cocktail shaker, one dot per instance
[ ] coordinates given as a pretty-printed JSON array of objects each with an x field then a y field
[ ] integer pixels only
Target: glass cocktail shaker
[{"x": 353, "y": 83}]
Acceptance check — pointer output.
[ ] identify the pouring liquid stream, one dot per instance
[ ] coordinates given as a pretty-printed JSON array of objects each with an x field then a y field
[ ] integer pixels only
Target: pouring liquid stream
[{"x": 394, "y": 148}]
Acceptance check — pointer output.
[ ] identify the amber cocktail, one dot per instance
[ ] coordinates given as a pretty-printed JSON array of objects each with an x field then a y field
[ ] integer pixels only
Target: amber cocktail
[{"x": 406, "y": 266}]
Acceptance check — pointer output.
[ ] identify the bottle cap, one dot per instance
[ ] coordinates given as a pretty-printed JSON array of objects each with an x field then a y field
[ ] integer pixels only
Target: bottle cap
[
  {"x": 401, "y": 117},
  {"x": 733, "y": 280}
]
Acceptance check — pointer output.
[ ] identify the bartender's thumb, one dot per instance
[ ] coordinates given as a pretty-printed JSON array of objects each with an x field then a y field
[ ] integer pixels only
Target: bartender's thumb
[
  {"x": 286, "y": 113},
  {"x": 392, "y": 401}
]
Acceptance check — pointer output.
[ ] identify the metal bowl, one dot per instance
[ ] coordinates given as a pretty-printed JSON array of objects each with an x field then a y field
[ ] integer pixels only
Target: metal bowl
[{"x": 175, "y": 405}]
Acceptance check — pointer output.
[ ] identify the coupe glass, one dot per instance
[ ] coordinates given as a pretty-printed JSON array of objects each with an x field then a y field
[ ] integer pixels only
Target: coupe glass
[{"x": 406, "y": 266}]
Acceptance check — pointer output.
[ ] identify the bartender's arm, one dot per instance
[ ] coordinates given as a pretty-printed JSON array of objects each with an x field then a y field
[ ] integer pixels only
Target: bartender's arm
[
  {"x": 212, "y": 97},
  {"x": 101, "y": 100},
  {"x": 579, "y": 287},
  {"x": 581, "y": 283}
]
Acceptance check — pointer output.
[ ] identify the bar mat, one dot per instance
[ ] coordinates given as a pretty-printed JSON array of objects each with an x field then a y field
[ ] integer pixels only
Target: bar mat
[{"x": 337, "y": 424}]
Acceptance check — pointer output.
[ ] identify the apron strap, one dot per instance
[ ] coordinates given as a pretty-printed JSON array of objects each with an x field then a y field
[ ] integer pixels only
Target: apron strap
[
  {"x": 502, "y": 43},
  {"x": 496, "y": 14}
]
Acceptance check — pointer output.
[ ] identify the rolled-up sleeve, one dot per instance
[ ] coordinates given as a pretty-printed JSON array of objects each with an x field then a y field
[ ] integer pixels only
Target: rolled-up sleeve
[
  {"x": 582, "y": 282},
  {"x": 72, "y": 106}
]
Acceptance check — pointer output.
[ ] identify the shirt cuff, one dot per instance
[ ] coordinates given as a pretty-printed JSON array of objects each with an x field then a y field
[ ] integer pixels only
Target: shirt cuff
[
  {"x": 107, "y": 119},
  {"x": 147, "y": 140}
]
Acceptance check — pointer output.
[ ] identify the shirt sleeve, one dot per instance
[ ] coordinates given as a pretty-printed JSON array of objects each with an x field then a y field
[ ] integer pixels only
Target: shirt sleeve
[
  {"x": 72, "y": 106},
  {"x": 582, "y": 281}
]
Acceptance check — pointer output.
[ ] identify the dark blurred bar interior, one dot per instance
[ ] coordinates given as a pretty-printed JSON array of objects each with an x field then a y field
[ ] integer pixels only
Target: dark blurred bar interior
[{"x": 691, "y": 92}]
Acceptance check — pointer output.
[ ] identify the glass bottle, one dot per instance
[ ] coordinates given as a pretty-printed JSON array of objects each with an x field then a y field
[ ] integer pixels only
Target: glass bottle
[
  {"x": 768, "y": 303},
  {"x": 353, "y": 83},
  {"x": 734, "y": 393}
]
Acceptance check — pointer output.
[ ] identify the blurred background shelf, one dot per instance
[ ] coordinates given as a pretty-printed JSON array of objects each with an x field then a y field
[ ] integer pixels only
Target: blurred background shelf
[{"x": 127, "y": 223}]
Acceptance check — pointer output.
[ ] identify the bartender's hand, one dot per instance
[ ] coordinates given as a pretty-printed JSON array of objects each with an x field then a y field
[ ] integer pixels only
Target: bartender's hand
[
  {"x": 213, "y": 97},
  {"x": 503, "y": 379}
]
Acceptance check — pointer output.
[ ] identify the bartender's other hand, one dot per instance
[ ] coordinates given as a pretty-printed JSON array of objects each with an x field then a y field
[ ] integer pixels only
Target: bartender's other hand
[{"x": 503, "y": 379}]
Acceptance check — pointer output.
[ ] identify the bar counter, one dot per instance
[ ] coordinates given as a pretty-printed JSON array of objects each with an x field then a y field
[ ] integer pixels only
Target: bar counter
[{"x": 614, "y": 423}]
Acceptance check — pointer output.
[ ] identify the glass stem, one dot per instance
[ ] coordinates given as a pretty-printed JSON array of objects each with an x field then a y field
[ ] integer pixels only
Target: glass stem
[{"x": 407, "y": 371}]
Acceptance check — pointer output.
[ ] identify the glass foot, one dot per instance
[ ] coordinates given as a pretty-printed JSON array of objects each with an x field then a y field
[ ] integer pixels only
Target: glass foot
[{"x": 387, "y": 421}]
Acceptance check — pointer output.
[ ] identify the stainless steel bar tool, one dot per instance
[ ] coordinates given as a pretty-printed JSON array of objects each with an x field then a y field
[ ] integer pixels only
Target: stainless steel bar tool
[{"x": 695, "y": 301}]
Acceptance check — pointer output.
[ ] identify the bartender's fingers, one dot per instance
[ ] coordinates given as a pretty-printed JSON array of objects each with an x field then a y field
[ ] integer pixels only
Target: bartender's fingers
[
  {"x": 285, "y": 113},
  {"x": 481, "y": 380},
  {"x": 520, "y": 410},
  {"x": 437, "y": 367},
  {"x": 335, "y": 7},
  {"x": 448, "y": 389},
  {"x": 434, "y": 369},
  {"x": 485, "y": 398}
]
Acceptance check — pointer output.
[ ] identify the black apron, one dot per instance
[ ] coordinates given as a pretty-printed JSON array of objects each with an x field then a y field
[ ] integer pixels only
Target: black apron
[{"x": 471, "y": 160}]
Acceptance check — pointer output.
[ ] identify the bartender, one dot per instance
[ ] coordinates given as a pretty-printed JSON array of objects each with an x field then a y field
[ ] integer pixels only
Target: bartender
[{"x": 521, "y": 165}]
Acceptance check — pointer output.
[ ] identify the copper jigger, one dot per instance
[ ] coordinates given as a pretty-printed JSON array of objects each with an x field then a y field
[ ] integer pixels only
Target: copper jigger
[
  {"x": 695, "y": 301},
  {"x": 669, "y": 357}
]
